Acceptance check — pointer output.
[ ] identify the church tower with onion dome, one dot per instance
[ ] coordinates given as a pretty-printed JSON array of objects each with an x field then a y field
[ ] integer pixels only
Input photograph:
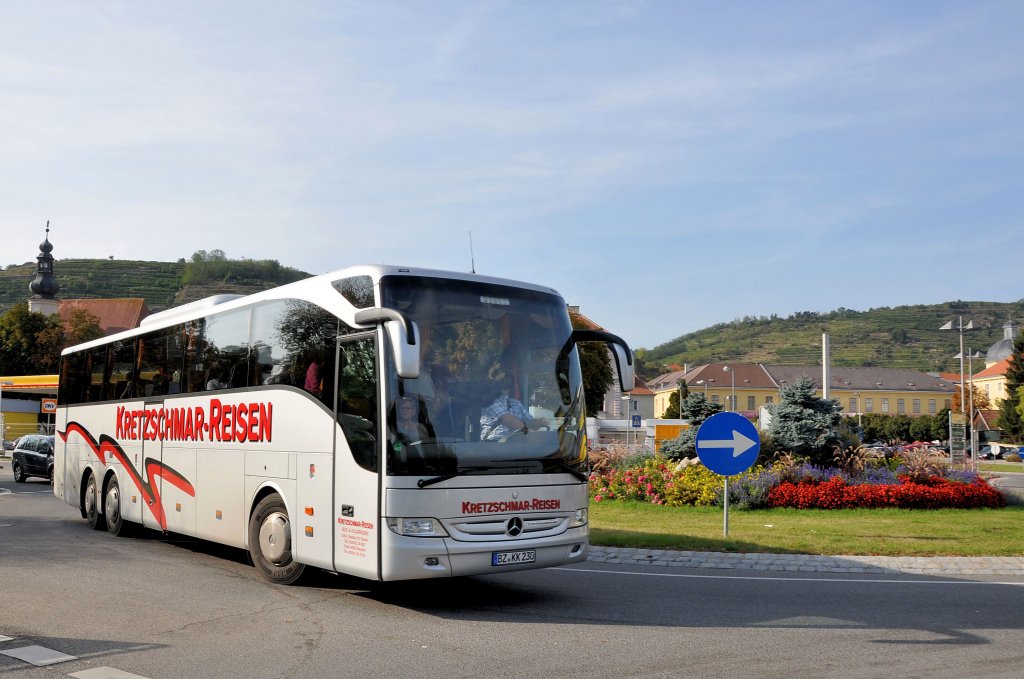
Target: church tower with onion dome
[{"x": 44, "y": 286}]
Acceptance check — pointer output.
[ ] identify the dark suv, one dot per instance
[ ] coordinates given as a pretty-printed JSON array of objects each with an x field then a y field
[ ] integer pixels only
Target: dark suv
[{"x": 33, "y": 456}]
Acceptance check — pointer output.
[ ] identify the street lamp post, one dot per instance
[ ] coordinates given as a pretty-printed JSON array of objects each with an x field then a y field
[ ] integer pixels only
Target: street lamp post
[
  {"x": 971, "y": 355},
  {"x": 679, "y": 383},
  {"x": 856, "y": 395},
  {"x": 732, "y": 397},
  {"x": 625, "y": 417},
  {"x": 948, "y": 325}
]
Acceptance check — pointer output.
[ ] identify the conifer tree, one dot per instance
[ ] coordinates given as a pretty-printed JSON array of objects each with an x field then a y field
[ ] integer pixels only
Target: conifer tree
[
  {"x": 1009, "y": 417},
  {"x": 805, "y": 424}
]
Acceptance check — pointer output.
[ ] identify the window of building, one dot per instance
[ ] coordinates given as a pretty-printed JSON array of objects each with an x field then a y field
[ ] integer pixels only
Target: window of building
[
  {"x": 931, "y": 406},
  {"x": 885, "y": 405},
  {"x": 853, "y": 405},
  {"x": 947, "y": 403},
  {"x": 917, "y": 406},
  {"x": 768, "y": 400},
  {"x": 869, "y": 405},
  {"x": 714, "y": 398},
  {"x": 901, "y": 406},
  {"x": 750, "y": 403}
]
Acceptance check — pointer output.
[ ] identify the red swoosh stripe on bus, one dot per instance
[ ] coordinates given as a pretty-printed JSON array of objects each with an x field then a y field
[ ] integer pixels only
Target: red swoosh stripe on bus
[{"x": 107, "y": 446}]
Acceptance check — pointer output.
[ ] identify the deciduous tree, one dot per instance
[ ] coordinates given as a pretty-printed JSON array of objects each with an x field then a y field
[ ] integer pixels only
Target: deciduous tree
[{"x": 30, "y": 342}]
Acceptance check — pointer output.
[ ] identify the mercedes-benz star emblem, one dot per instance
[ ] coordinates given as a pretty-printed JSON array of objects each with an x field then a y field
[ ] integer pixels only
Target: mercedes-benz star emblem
[{"x": 514, "y": 527}]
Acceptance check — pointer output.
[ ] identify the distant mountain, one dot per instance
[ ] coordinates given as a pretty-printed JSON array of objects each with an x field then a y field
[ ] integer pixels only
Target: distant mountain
[
  {"x": 898, "y": 337},
  {"x": 161, "y": 284}
]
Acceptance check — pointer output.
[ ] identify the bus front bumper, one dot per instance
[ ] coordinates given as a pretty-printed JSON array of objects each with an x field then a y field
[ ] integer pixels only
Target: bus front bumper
[{"x": 409, "y": 558}]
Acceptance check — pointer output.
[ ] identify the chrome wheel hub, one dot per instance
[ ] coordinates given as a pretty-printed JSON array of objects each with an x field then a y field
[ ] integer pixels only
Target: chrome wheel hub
[
  {"x": 112, "y": 505},
  {"x": 276, "y": 539}
]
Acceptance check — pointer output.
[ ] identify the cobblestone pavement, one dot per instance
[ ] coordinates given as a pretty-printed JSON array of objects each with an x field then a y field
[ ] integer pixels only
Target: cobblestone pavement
[{"x": 809, "y": 563}]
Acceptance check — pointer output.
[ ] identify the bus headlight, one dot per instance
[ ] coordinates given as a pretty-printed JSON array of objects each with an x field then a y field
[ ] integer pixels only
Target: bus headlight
[
  {"x": 579, "y": 518},
  {"x": 417, "y": 527}
]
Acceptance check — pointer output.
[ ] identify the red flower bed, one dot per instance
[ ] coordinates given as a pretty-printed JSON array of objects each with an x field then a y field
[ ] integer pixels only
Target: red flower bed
[{"x": 936, "y": 493}]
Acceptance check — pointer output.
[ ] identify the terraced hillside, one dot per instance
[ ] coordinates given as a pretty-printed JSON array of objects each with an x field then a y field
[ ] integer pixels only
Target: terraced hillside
[
  {"x": 161, "y": 284},
  {"x": 898, "y": 337},
  {"x": 157, "y": 282}
]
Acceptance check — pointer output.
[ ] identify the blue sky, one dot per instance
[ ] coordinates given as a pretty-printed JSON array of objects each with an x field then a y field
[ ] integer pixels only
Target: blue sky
[{"x": 664, "y": 165}]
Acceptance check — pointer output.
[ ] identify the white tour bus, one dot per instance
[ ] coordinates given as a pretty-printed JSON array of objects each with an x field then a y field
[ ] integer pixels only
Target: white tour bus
[{"x": 385, "y": 422}]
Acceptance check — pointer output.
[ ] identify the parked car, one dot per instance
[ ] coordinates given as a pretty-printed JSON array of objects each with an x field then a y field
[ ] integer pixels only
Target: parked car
[
  {"x": 996, "y": 451},
  {"x": 33, "y": 456}
]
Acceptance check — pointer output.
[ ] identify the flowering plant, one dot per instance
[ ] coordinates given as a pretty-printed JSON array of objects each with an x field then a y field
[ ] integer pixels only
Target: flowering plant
[{"x": 786, "y": 484}]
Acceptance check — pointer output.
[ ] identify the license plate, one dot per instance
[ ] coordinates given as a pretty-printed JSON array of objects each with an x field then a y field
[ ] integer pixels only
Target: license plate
[{"x": 511, "y": 558}]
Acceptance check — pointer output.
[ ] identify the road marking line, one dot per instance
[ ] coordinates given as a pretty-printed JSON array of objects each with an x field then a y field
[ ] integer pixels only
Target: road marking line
[
  {"x": 105, "y": 673},
  {"x": 3, "y": 638},
  {"x": 787, "y": 578},
  {"x": 40, "y": 656}
]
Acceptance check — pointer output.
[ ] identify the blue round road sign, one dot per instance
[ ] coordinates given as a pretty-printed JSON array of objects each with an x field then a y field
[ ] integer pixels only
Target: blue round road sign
[{"x": 727, "y": 443}]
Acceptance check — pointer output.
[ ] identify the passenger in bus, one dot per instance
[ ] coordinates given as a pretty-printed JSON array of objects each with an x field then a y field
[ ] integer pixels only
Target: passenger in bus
[
  {"x": 218, "y": 378},
  {"x": 313, "y": 383},
  {"x": 410, "y": 432},
  {"x": 159, "y": 384},
  {"x": 408, "y": 424},
  {"x": 506, "y": 415}
]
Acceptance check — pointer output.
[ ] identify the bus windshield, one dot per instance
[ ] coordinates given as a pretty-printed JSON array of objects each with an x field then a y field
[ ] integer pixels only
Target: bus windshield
[{"x": 500, "y": 388}]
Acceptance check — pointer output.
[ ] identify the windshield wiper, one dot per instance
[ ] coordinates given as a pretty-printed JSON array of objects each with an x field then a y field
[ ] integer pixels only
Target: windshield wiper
[
  {"x": 561, "y": 464},
  {"x": 423, "y": 483}
]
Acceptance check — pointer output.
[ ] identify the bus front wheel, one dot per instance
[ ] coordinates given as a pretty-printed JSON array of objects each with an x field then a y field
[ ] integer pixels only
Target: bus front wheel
[{"x": 270, "y": 542}]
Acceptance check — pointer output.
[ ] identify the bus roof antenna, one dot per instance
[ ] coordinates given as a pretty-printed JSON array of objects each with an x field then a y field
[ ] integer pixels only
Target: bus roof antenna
[{"x": 472, "y": 262}]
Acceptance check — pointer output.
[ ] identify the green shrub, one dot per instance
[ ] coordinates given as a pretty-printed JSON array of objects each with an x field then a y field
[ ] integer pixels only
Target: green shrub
[{"x": 696, "y": 485}]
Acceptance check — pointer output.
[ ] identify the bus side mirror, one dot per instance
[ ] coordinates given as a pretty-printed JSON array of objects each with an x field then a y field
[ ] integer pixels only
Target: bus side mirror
[
  {"x": 403, "y": 335},
  {"x": 620, "y": 350},
  {"x": 624, "y": 362},
  {"x": 406, "y": 353}
]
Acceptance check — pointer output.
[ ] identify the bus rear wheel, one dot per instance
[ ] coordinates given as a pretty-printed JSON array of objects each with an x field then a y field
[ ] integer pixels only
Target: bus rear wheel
[
  {"x": 270, "y": 542},
  {"x": 116, "y": 525},
  {"x": 91, "y": 505}
]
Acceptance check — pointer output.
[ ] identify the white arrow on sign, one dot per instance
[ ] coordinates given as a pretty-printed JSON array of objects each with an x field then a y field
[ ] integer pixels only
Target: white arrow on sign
[{"x": 739, "y": 443}]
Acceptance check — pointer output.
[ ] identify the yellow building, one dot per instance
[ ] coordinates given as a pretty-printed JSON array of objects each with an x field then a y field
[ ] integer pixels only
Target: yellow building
[
  {"x": 21, "y": 404},
  {"x": 745, "y": 387},
  {"x": 992, "y": 382}
]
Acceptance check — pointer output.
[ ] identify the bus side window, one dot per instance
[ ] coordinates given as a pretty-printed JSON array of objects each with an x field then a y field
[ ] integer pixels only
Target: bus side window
[{"x": 357, "y": 399}]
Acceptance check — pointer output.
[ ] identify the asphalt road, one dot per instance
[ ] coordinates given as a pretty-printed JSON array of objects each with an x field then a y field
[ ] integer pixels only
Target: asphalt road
[{"x": 161, "y": 607}]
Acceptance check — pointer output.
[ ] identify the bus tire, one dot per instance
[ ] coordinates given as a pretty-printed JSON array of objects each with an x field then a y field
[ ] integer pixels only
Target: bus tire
[
  {"x": 116, "y": 525},
  {"x": 270, "y": 542},
  {"x": 91, "y": 505}
]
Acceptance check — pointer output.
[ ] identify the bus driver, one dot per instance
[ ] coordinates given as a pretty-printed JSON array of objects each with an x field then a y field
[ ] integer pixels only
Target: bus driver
[{"x": 506, "y": 415}]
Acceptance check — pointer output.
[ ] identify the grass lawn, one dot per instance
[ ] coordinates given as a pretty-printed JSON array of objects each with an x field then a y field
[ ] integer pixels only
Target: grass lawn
[
  {"x": 996, "y": 466},
  {"x": 892, "y": 532}
]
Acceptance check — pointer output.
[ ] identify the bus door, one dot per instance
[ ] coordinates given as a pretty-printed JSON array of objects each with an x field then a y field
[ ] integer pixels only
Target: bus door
[
  {"x": 167, "y": 472},
  {"x": 357, "y": 457},
  {"x": 152, "y": 493}
]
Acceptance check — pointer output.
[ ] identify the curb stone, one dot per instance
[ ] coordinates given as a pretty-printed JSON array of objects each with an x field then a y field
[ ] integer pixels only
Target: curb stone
[{"x": 909, "y": 565}]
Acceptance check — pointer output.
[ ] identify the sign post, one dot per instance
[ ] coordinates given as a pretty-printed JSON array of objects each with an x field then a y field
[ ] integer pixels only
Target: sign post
[
  {"x": 957, "y": 437},
  {"x": 48, "y": 406},
  {"x": 727, "y": 444}
]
